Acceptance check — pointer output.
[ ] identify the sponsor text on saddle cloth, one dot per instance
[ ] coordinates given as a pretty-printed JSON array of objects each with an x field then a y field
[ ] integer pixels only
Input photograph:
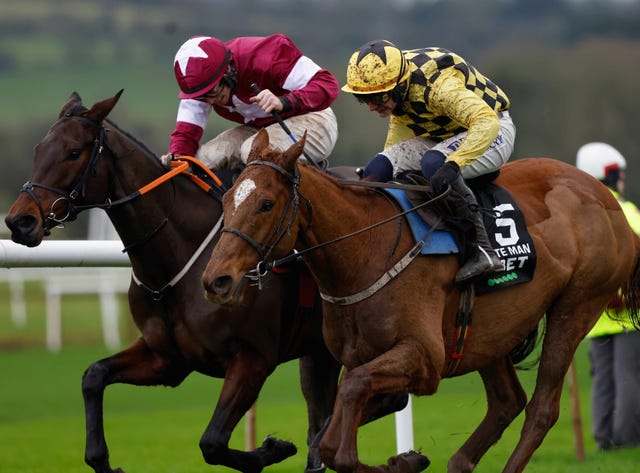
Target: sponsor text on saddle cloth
[{"x": 505, "y": 227}]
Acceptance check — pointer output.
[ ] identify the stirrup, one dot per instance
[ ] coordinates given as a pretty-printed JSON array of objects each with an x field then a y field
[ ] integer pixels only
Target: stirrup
[{"x": 482, "y": 262}]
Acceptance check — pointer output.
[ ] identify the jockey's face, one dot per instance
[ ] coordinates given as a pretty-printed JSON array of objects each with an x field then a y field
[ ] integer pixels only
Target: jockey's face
[
  {"x": 219, "y": 95},
  {"x": 381, "y": 103},
  {"x": 383, "y": 110}
]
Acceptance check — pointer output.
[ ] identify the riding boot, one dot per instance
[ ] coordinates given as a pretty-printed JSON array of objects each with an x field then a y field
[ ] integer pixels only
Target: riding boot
[{"x": 482, "y": 258}]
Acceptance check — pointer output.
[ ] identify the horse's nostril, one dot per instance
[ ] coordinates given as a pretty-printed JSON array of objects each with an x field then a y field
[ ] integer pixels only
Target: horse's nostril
[
  {"x": 22, "y": 224},
  {"x": 222, "y": 285}
]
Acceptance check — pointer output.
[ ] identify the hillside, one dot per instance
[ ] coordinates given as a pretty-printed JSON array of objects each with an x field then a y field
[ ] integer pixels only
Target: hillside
[{"x": 569, "y": 67}]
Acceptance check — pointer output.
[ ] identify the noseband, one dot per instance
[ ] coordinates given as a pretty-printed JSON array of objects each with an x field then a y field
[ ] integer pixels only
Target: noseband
[
  {"x": 80, "y": 187},
  {"x": 265, "y": 250}
]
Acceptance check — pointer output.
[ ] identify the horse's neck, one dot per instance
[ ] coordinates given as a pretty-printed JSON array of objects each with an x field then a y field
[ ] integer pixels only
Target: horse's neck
[
  {"x": 338, "y": 210},
  {"x": 165, "y": 225}
]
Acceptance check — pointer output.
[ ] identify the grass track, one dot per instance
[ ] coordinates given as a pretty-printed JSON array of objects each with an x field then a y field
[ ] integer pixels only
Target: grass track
[{"x": 156, "y": 429}]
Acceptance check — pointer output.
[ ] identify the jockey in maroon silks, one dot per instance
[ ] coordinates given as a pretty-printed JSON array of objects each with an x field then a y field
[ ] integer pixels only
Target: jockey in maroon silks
[{"x": 224, "y": 77}]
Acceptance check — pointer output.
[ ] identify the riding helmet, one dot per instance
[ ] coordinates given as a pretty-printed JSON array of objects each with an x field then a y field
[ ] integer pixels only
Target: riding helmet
[
  {"x": 600, "y": 160},
  {"x": 200, "y": 63},
  {"x": 378, "y": 66}
]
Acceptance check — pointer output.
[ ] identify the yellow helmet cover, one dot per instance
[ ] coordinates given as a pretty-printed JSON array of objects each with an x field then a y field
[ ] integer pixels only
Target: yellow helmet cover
[{"x": 378, "y": 66}]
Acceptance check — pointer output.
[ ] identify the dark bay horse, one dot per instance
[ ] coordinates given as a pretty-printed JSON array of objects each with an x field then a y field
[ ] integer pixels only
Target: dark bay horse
[
  {"x": 400, "y": 336},
  {"x": 169, "y": 230}
]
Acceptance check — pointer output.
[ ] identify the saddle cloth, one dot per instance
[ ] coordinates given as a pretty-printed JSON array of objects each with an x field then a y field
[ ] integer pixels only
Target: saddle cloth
[
  {"x": 439, "y": 242},
  {"x": 506, "y": 229}
]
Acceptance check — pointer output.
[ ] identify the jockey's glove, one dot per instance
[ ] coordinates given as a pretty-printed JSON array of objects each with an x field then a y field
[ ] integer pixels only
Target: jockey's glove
[{"x": 444, "y": 177}]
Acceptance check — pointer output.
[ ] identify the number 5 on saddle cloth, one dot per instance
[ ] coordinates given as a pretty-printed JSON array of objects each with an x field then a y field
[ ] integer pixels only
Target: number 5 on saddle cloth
[{"x": 505, "y": 227}]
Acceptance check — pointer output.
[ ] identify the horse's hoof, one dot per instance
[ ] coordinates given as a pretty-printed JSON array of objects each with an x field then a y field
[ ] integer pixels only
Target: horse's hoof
[
  {"x": 274, "y": 450},
  {"x": 314, "y": 462},
  {"x": 408, "y": 462},
  {"x": 318, "y": 469}
]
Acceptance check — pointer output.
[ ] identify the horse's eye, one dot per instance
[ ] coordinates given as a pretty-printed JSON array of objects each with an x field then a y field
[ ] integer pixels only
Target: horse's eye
[
  {"x": 266, "y": 206},
  {"x": 74, "y": 154}
]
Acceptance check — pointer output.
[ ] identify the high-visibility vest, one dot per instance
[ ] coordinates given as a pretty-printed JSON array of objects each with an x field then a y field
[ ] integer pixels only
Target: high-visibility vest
[{"x": 605, "y": 324}]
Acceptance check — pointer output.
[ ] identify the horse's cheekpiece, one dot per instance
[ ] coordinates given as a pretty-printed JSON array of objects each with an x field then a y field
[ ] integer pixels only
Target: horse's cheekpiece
[{"x": 506, "y": 229}]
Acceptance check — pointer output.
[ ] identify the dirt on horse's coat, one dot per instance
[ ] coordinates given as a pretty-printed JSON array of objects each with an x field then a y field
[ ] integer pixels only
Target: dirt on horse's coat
[
  {"x": 86, "y": 161},
  {"x": 401, "y": 337}
]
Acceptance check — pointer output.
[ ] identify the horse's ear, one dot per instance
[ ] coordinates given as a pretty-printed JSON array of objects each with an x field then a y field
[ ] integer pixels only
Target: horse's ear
[
  {"x": 293, "y": 153},
  {"x": 260, "y": 142},
  {"x": 73, "y": 100},
  {"x": 101, "y": 109}
]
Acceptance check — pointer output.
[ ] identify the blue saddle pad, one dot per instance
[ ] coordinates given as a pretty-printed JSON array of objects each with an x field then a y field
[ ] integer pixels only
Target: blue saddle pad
[
  {"x": 506, "y": 229},
  {"x": 439, "y": 242}
]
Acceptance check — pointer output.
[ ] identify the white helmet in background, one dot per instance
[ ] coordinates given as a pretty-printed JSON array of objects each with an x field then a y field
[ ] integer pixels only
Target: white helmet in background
[{"x": 599, "y": 159}]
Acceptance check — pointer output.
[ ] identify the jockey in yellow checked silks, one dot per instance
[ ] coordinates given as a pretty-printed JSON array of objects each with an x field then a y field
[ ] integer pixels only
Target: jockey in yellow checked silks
[{"x": 446, "y": 119}]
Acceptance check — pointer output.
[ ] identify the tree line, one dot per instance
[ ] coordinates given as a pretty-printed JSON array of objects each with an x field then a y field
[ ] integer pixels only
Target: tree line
[{"x": 568, "y": 67}]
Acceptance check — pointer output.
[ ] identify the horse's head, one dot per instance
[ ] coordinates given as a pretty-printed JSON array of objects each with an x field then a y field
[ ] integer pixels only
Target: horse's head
[
  {"x": 261, "y": 219},
  {"x": 64, "y": 162}
]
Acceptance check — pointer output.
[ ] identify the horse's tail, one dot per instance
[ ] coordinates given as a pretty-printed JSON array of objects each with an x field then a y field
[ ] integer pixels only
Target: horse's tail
[{"x": 630, "y": 292}]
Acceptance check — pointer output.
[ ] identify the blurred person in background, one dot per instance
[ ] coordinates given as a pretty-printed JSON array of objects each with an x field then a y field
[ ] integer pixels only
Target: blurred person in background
[
  {"x": 223, "y": 77},
  {"x": 446, "y": 119},
  {"x": 614, "y": 344}
]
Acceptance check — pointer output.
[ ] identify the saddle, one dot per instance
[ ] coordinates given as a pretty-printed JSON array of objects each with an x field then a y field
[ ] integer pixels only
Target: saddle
[
  {"x": 503, "y": 221},
  {"x": 440, "y": 215}
]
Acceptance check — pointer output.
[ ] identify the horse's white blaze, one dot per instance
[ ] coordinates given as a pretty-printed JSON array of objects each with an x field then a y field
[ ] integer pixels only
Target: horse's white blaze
[{"x": 243, "y": 191}]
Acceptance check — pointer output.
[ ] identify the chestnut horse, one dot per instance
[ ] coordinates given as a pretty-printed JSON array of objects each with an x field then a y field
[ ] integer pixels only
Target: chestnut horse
[
  {"x": 169, "y": 228},
  {"x": 400, "y": 337}
]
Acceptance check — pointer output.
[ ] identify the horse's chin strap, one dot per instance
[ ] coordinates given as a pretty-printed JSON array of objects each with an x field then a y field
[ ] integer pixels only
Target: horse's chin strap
[
  {"x": 28, "y": 188},
  {"x": 263, "y": 266},
  {"x": 79, "y": 188},
  {"x": 281, "y": 229}
]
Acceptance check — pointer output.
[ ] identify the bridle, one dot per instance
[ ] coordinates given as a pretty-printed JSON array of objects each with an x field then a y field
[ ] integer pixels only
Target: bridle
[
  {"x": 179, "y": 166},
  {"x": 99, "y": 144},
  {"x": 78, "y": 190},
  {"x": 282, "y": 228},
  {"x": 265, "y": 250}
]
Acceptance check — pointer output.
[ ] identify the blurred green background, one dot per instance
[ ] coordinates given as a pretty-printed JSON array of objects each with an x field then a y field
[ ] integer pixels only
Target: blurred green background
[{"x": 569, "y": 66}]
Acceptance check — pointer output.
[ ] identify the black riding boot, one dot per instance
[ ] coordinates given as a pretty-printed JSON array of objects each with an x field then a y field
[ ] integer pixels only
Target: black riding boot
[{"x": 482, "y": 259}]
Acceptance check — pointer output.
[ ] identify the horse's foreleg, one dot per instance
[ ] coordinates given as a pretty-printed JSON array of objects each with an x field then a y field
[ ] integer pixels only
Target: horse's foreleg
[
  {"x": 404, "y": 368},
  {"x": 319, "y": 382},
  {"x": 505, "y": 400},
  {"x": 243, "y": 381},
  {"x": 136, "y": 365},
  {"x": 377, "y": 407}
]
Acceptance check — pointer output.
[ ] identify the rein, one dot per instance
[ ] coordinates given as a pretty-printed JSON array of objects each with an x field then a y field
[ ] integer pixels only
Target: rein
[
  {"x": 179, "y": 166},
  {"x": 79, "y": 188},
  {"x": 158, "y": 293},
  {"x": 263, "y": 267}
]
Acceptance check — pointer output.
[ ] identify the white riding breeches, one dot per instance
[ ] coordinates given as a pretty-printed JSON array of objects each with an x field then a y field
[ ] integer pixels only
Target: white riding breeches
[
  {"x": 406, "y": 155},
  {"x": 231, "y": 147}
]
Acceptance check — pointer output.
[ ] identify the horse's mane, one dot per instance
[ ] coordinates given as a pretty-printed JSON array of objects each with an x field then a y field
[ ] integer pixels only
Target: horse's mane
[
  {"x": 143, "y": 146},
  {"x": 227, "y": 176},
  {"x": 80, "y": 110}
]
